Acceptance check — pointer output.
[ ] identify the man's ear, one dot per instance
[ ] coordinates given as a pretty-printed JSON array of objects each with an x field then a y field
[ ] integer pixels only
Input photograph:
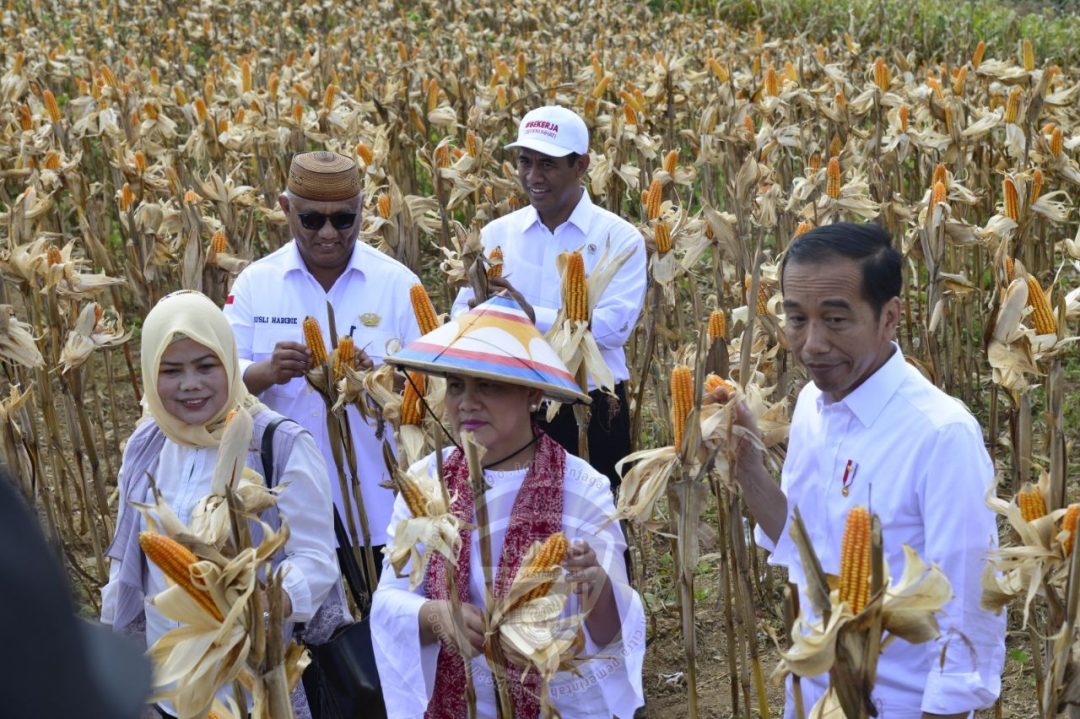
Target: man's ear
[
  {"x": 891, "y": 315},
  {"x": 581, "y": 164},
  {"x": 283, "y": 202}
]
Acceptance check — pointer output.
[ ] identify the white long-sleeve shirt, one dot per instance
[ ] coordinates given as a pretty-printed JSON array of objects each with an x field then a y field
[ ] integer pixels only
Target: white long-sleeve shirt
[
  {"x": 268, "y": 304},
  {"x": 610, "y": 684},
  {"x": 920, "y": 464},
  {"x": 529, "y": 251}
]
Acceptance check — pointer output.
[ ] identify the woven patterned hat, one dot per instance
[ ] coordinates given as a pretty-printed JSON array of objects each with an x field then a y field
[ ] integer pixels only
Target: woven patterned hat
[
  {"x": 324, "y": 176},
  {"x": 494, "y": 340}
]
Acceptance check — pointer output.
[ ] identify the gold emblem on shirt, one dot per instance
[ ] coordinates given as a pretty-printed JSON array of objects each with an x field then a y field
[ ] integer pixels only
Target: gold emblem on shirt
[{"x": 370, "y": 319}]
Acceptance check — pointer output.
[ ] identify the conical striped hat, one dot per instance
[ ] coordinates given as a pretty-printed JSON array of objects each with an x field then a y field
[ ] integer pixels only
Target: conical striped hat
[{"x": 494, "y": 340}]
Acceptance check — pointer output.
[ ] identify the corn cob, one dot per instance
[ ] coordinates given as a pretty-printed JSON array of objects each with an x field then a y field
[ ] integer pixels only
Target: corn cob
[
  {"x": 1027, "y": 55},
  {"x": 948, "y": 119},
  {"x": 1012, "y": 106},
  {"x": 904, "y": 113},
  {"x": 51, "y": 105},
  {"x": 772, "y": 83},
  {"x": 855, "y": 560},
  {"x": 412, "y": 409},
  {"x": 175, "y": 560},
  {"x": 1012, "y": 199},
  {"x": 718, "y": 70},
  {"x": 365, "y": 153},
  {"x": 652, "y": 199},
  {"x": 714, "y": 382},
  {"x": 1010, "y": 269},
  {"x": 200, "y": 109},
  {"x": 938, "y": 195},
  {"x": 521, "y": 66},
  {"x": 958, "y": 81},
  {"x": 314, "y": 340},
  {"x": 344, "y": 357},
  {"x": 940, "y": 174},
  {"x": 1042, "y": 311},
  {"x": 53, "y": 255},
  {"x": 442, "y": 156},
  {"x": 717, "y": 325},
  {"x": 682, "y": 400},
  {"x": 472, "y": 144},
  {"x": 384, "y": 206},
  {"x": 426, "y": 318},
  {"x": 1037, "y": 180},
  {"x": 819, "y": 53},
  {"x": 815, "y": 162},
  {"x": 671, "y": 160},
  {"x": 414, "y": 498},
  {"x": 933, "y": 83},
  {"x": 832, "y": 175},
  {"x": 663, "y": 237},
  {"x": 977, "y": 57},
  {"x": 1031, "y": 503},
  {"x": 218, "y": 243},
  {"x": 126, "y": 197},
  {"x": 574, "y": 291},
  {"x": 836, "y": 146},
  {"x": 501, "y": 100},
  {"x": 748, "y": 123},
  {"x": 551, "y": 554},
  {"x": 52, "y": 160},
  {"x": 495, "y": 263},
  {"x": 602, "y": 86},
  {"x": 881, "y": 74},
  {"x": 298, "y": 113},
  {"x": 328, "y": 96},
  {"x": 433, "y": 95},
  {"x": 1068, "y": 523},
  {"x": 803, "y": 226},
  {"x": 1057, "y": 142}
]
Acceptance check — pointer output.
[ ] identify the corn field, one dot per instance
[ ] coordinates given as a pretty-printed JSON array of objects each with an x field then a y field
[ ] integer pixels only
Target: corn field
[{"x": 143, "y": 147}]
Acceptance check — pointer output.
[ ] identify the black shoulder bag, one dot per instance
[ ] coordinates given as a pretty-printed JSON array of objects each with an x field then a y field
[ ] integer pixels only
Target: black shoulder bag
[{"x": 342, "y": 681}]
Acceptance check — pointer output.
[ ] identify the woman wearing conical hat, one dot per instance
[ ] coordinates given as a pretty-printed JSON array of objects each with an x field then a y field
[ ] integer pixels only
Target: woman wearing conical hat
[{"x": 497, "y": 369}]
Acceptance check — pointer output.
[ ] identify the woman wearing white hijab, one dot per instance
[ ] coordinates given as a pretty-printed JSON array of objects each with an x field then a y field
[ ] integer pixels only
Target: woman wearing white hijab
[{"x": 191, "y": 381}]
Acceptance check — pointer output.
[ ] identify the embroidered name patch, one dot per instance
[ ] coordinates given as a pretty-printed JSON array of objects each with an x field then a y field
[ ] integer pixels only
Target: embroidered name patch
[{"x": 263, "y": 320}]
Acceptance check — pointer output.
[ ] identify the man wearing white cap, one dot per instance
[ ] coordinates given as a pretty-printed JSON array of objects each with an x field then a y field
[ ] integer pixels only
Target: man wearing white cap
[
  {"x": 323, "y": 267},
  {"x": 552, "y": 158}
]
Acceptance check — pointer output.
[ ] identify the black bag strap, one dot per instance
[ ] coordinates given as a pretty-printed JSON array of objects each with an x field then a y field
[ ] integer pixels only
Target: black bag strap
[{"x": 354, "y": 578}]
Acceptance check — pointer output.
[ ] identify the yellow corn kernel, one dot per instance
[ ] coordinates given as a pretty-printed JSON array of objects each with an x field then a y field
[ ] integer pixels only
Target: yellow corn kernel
[
  {"x": 412, "y": 409},
  {"x": 772, "y": 83},
  {"x": 384, "y": 206},
  {"x": 551, "y": 554},
  {"x": 175, "y": 560},
  {"x": 1027, "y": 55},
  {"x": 1042, "y": 311},
  {"x": 717, "y": 325},
  {"x": 855, "y": 560},
  {"x": 662, "y": 237},
  {"x": 574, "y": 290},
  {"x": 426, "y": 317},
  {"x": 671, "y": 160},
  {"x": 51, "y": 105},
  {"x": 881, "y": 74},
  {"x": 1010, "y": 268},
  {"x": 653, "y": 196},
  {"x": 832, "y": 174},
  {"x": 1031, "y": 502},
  {"x": 905, "y": 114},
  {"x": 714, "y": 382},
  {"x": 938, "y": 195},
  {"x": 414, "y": 498},
  {"x": 1068, "y": 524},
  {"x": 218, "y": 242},
  {"x": 1037, "y": 180},
  {"x": 314, "y": 340},
  {"x": 1012, "y": 199},
  {"x": 1057, "y": 142},
  {"x": 365, "y": 153},
  {"x": 495, "y": 260},
  {"x": 762, "y": 295},
  {"x": 959, "y": 80},
  {"x": 682, "y": 401},
  {"x": 344, "y": 356},
  {"x": 433, "y": 95},
  {"x": 977, "y": 57},
  {"x": 1012, "y": 106}
]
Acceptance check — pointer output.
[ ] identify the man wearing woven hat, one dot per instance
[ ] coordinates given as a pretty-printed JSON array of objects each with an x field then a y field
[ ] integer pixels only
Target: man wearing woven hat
[
  {"x": 324, "y": 269},
  {"x": 552, "y": 158}
]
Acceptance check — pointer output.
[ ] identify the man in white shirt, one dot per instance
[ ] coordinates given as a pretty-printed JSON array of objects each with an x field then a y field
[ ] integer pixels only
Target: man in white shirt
[
  {"x": 323, "y": 269},
  {"x": 871, "y": 430},
  {"x": 552, "y": 159}
]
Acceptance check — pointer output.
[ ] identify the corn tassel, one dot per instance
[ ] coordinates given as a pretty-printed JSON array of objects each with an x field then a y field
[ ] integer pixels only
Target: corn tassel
[
  {"x": 653, "y": 197},
  {"x": 426, "y": 318},
  {"x": 832, "y": 174},
  {"x": 575, "y": 293},
  {"x": 1042, "y": 312},
  {"x": 412, "y": 409},
  {"x": 495, "y": 263},
  {"x": 855, "y": 560},
  {"x": 314, "y": 340},
  {"x": 682, "y": 400},
  {"x": 1068, "y": 523},
  {"x": 1031, "y": 503},
  {"x": 1012, "y": 199},
  {"x": 175, "y": 560},
  {"x": 345, "y": 356},
  {"x": 552, "y": 553},
  {"x": 663, "y": 237},
  {"x": 717, "y": 325}
]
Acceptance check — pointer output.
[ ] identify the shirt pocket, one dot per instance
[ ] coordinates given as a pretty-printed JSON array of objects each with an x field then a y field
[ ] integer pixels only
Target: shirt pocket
[{"x": 376, "y": 342}]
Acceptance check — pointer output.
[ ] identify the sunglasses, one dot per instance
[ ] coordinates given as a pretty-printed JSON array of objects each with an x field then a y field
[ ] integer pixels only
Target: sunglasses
[{"x": 315, "y": 220}]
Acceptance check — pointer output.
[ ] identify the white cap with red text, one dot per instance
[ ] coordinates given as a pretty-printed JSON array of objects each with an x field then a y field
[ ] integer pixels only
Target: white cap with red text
[{"x": 554, "y": 131}]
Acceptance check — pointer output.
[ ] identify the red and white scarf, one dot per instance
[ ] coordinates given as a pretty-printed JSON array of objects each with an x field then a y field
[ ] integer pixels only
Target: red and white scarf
[{"x": 537, "y": 514}]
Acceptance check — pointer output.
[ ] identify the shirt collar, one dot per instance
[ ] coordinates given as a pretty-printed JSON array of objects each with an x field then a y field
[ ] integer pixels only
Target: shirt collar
[
  {"x": 868, "y": 400},
  {"x": 581, "y": 217},
  {"x": 294, "y": 262}
]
